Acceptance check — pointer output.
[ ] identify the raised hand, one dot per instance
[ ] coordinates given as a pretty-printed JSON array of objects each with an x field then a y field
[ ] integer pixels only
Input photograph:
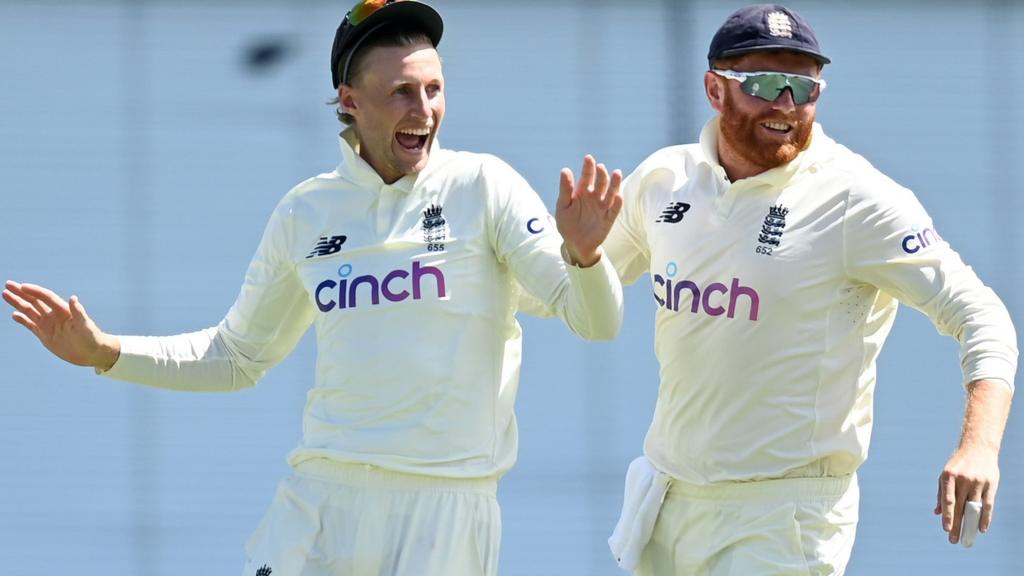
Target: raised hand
[
  {"x": 586, "y": 211},
  {"x": 63, "y": 327}
]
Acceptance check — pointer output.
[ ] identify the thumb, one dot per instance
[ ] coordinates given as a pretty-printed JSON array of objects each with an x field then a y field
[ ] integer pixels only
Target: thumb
[{"x": 77, "y": 310}]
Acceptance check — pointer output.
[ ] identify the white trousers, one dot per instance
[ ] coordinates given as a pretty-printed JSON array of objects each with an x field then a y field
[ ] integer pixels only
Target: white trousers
[
  {"x": 786, "y": 527},
  {"x": 332, "y": 519}
]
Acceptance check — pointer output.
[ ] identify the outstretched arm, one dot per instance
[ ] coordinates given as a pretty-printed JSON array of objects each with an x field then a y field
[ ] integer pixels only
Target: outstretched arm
[
  {"x": 586, "y": 211},
  {"x": 269, "y": 316},
  {"x": 62, "y": 326},
  {"x": 972, "y": 473}
]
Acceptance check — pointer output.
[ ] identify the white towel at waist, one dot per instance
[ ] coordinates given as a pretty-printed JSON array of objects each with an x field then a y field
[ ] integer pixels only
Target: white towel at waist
[{"x": 645, "y": 490}]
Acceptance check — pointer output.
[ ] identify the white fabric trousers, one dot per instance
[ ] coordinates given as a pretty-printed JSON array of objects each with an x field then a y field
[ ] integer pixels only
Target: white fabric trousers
[
  {"x": 333, "y": 519},
  {"x": 786, "y": 527}
]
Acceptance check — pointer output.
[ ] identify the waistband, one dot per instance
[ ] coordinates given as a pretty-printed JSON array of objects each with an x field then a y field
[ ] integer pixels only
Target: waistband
[
  {"x": 776, "y": 489},
  {"x": 369, "y": 476}
]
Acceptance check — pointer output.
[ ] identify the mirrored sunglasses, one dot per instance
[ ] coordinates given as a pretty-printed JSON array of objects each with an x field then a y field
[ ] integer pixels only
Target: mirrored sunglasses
[{"x": 770, "y": 85}]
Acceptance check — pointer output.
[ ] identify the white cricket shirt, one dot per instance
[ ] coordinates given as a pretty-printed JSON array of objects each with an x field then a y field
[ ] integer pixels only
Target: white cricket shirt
[
  {"x": 774, "y": 295},
  {"x": 412, "y": 288}
]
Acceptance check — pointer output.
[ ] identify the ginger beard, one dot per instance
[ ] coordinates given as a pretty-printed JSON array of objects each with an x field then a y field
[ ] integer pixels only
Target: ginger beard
[{"x": 745, "y": 134}]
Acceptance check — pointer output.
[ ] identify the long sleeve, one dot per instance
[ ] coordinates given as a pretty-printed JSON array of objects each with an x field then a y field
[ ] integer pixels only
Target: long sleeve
[
  {"x": 265, "y": 323},
  {"x": 890, "y": 243},
  {"x": 626, "y": 245},
  {"x": 525, "y": 238}
]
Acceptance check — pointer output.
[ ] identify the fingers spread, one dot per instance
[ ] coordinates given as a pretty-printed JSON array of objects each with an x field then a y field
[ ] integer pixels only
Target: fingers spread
[
  {"x": 613, "y": 191},
  {"x": 587, "y": 174},
  {"x": 601, "y": 186},
  {"x": 566, "y": 185},
  {"x": 23, "y": 307},
  {"x": 616, "y": 181},
  {"x": 26, "y": 322},
  {"x": 45, "y": 297},
  {"x": 615, "y": 206}
]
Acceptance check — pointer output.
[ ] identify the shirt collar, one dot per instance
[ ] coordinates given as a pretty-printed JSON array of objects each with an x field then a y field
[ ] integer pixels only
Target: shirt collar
[
  {"x": 353, "y": 167},
  {"x": 777, "y": 176}
]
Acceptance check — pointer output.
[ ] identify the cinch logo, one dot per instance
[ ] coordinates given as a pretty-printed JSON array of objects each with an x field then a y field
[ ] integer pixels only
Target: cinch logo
[
  {"x": 344, "y": 293},
  {"x": 534, "y": 225},
  {"x": 917, "y": 241},
  {"x": 710, "y": 298}
]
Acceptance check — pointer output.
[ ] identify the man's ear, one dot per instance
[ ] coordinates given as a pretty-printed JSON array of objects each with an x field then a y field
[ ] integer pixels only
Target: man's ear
[
  {"x": 346, "y": 99},
  {"x": 713, "y": 89}
]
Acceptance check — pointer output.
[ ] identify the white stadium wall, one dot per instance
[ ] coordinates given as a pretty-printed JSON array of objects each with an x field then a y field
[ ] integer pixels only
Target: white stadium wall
[{"x": 144, "y": 144}]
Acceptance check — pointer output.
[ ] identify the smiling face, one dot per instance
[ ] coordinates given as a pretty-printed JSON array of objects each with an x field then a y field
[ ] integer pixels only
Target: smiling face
[
  {"x": 397, "y": 101},
  {"x": 757, "y": 135}
]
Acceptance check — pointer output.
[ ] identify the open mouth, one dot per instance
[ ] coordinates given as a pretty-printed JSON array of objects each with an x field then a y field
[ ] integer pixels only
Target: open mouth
[
  {"x": 413, "y": 139},
  {"x": 777, "y": 127}
]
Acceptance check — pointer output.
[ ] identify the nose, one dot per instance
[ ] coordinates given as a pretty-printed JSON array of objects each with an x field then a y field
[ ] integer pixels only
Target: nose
[{"x": 421, "y": 104}]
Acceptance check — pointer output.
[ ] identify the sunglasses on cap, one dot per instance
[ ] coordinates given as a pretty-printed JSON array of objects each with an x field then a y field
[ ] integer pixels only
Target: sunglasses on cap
[
  {"x": 368, "y": 16},
  {"x": 362, "y": 10},
  {"x": 770, "y": 85},
  {"x": 356, "y": 16}
]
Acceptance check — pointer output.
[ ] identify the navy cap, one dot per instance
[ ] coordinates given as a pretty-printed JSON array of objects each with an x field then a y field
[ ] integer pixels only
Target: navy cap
[
  {"x": 410, "y": 14},
  {"x": 765, "y": 27}
]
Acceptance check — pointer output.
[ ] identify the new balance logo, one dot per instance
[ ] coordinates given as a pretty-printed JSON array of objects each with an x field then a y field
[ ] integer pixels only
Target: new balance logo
[
  {"x": 673, "y": 213},
  {"x": 327, "y": 246},
  {"x": 264, "y": 571}
]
